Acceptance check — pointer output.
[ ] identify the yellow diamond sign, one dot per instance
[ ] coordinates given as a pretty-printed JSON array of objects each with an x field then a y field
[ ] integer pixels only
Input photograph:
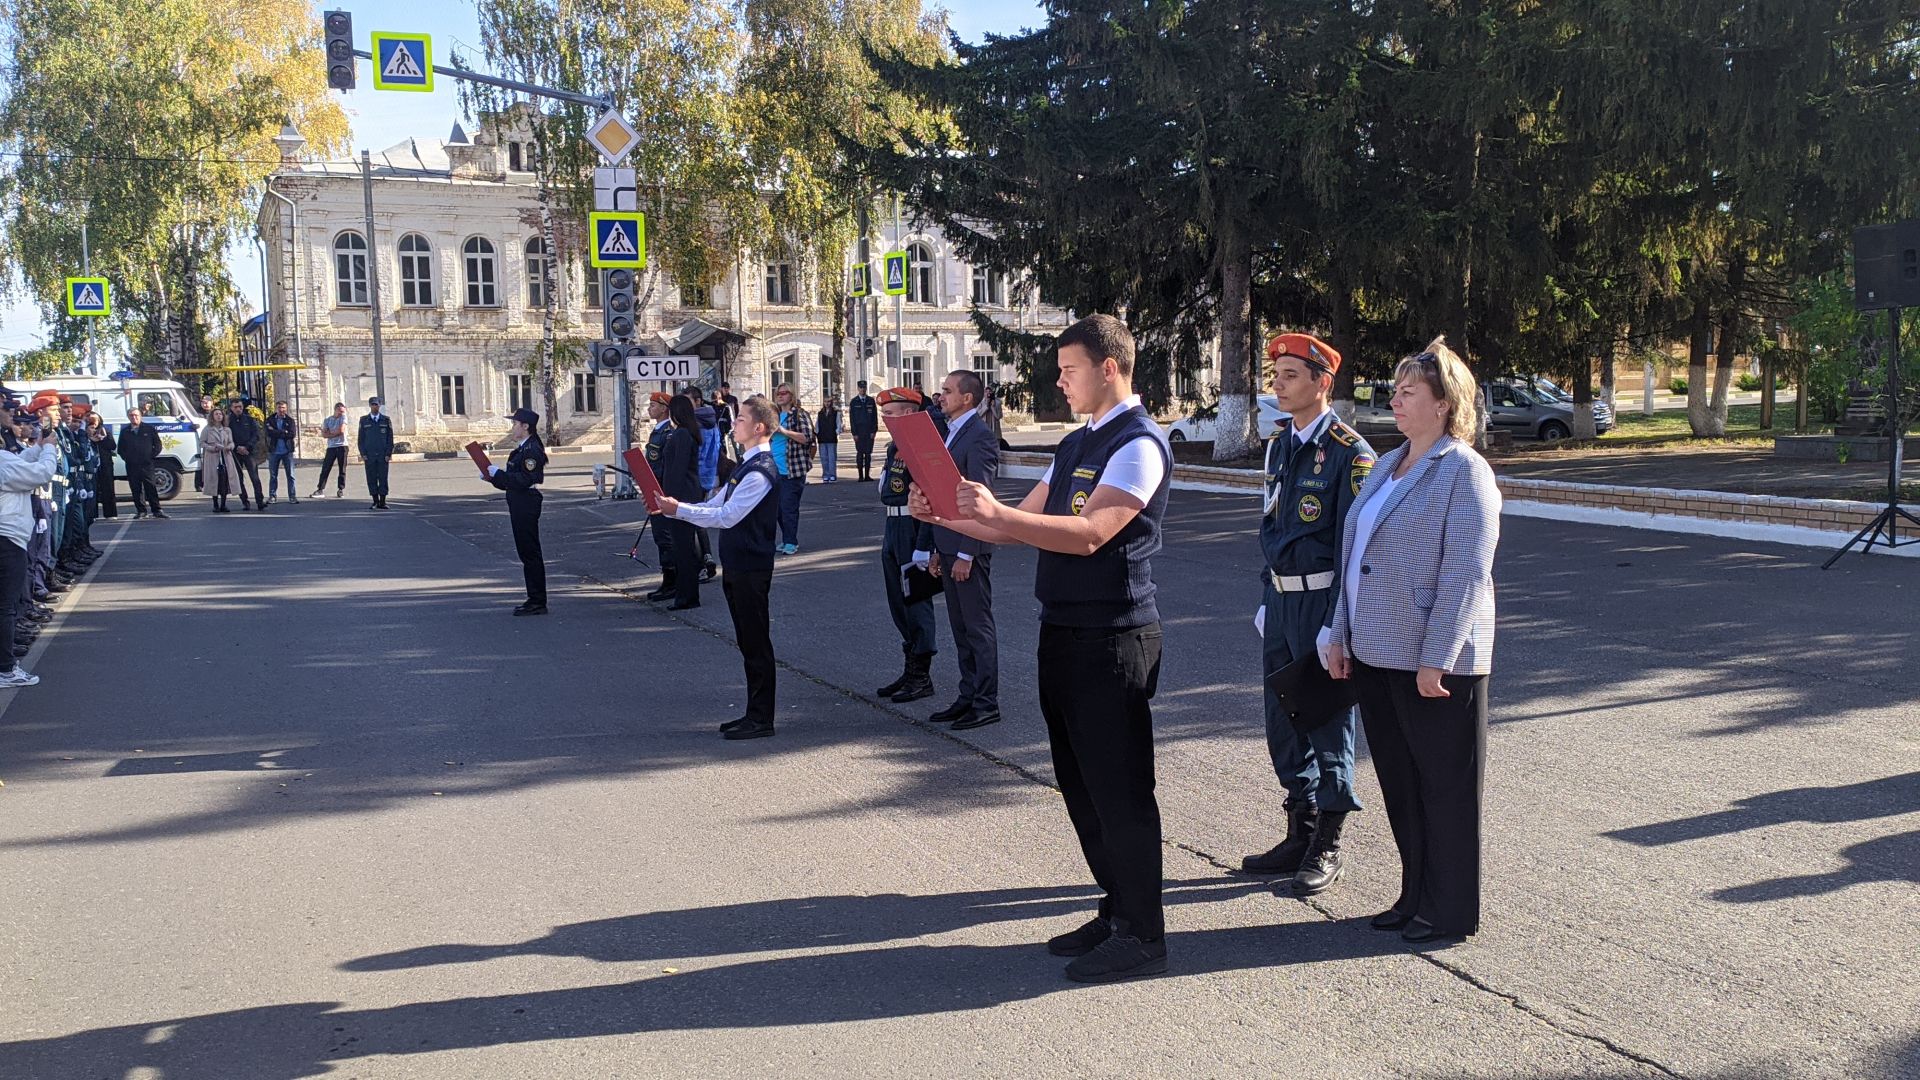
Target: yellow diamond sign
[{"x": 613, "y": 137}]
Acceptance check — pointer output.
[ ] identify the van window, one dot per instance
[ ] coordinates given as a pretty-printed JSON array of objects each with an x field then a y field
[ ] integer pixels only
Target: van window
[
  {"x": 157, "y": 403},
  {"x": 83, "y": 399}
]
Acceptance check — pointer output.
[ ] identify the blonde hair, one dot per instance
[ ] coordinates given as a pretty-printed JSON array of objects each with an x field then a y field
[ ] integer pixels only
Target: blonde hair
[{"x": 1451, "y": 381}]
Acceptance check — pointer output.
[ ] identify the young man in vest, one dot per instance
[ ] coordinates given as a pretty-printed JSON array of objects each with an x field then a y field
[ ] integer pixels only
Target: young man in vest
[
  {"x": 1095, "y": 518},
  {"x": 905, "y": 542},
  {"x": 1315, "y": 467},
  {"x": 748, "y": 511}
]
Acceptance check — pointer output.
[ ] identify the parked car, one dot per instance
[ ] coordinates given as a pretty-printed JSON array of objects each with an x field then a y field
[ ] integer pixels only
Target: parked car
[
  {"x": 1528, "y": 410},
  {"x": 1546, "y": 388},
  {"x": 1200, "y": 428},
  {"x": 1373, "y": 410}
]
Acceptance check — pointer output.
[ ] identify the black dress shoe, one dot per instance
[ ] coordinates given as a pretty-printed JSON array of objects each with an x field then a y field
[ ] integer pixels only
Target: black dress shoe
[
  {"x": 1390, "y": 919},
  {"x": 1422, "y": 932},
  {"x": 750, "y": 731},
  {"x": 530, "y": 609},
  {"x": 975, "y": 719},
  {"x": 1082, "y": 941},
  {"x": 734, "y": 725},
  {"x": 952, "y": 712},
  {"x": 682, "y": 605},
  {"x": 1121, "y": 956}
]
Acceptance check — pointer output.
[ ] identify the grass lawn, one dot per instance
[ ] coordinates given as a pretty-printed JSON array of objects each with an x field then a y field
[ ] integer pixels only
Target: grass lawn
[{"x": 1743, "y": 426}]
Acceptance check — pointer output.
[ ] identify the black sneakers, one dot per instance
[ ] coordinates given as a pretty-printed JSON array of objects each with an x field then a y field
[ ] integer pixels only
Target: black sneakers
[
  {"x": 1082, "y": 941},
  {"x": 1121, "y": 956}
]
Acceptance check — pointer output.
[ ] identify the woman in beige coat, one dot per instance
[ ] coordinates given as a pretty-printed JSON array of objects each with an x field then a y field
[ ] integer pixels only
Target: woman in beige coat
[{"x": 219, "y": 473}]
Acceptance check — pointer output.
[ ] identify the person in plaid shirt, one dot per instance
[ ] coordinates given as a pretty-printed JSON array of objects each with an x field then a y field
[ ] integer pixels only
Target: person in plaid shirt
[{"x": 793, "y": 446}]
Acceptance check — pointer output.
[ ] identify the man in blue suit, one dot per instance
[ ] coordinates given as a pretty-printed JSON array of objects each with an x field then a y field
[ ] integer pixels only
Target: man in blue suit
[{"x": 967, "y": 564}]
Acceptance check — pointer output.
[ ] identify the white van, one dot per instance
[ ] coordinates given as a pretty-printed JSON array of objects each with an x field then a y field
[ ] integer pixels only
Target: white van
[{"x": 163, "y": 405}]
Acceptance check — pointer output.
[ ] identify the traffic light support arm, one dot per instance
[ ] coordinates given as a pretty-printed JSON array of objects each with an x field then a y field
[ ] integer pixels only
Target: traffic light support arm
[{"x": 602, "y": 102}]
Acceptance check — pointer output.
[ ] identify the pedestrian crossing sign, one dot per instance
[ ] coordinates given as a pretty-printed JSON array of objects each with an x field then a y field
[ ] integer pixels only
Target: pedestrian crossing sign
[
  {"x": 619, "y": 240},
  {"x": 862, "y": 283},
  {"x": 403, "y": 62},
  {"x": 896, "y": 273},
  {"x": 89, "y": 296}
]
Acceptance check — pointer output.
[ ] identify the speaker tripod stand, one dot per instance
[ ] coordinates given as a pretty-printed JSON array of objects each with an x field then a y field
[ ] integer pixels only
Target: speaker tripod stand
[{"x": 1884, "y": 529}]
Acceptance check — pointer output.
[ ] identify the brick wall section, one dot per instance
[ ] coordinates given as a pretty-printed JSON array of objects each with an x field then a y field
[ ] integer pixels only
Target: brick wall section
[{"x": 1832, "y": 515}]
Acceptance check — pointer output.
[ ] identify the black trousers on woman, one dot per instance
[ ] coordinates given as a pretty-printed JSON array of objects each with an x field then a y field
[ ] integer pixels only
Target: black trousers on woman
[
  {"x": 1431, "y": 757},
  {"x": 103, "y": 482}
]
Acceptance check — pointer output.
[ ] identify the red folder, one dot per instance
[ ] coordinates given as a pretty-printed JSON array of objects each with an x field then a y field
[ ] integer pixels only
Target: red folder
[
  {"x": 919, "y": 444},
  {"x": 644, "y": 479},
  {"x": 479, "y": 455}
]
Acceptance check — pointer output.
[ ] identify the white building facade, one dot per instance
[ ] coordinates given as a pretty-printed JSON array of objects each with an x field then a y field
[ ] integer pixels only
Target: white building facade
[{"x": 457, "y": 252}]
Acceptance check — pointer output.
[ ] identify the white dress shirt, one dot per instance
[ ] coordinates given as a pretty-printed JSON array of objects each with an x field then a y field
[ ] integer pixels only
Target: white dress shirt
[{"x": 726, "y": 509}]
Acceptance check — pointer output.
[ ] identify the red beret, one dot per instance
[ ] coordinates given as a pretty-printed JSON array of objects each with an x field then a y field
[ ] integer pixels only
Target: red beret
[
  {"x": 1316, "y": 353},
  {"x": 899, "y": 393}
]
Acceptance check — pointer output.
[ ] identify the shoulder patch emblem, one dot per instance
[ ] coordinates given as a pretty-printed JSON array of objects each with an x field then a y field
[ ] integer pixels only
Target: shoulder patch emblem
[
  {"x": 1079, "y": 502},
  {"x": 532, "y": 464}
]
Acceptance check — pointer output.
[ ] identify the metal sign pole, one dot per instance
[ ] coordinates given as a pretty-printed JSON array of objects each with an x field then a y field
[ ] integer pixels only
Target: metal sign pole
[
  {"x": 86, "y": 270},
  {"x": 373, "y": 285}
]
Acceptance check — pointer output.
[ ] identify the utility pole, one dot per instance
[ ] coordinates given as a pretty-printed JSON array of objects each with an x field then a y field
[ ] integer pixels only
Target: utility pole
[
  {"x": 373, "y": 283},
  {"x": 863, "y": 332},
  {"x": 900, "y": 301},
  {"x": 86, "y": 270}
]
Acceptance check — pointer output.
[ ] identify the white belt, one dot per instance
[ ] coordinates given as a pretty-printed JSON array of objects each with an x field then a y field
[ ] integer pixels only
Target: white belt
[
  {"x": 899, "y": 511},
  {"x": 1309, "y": 583}
]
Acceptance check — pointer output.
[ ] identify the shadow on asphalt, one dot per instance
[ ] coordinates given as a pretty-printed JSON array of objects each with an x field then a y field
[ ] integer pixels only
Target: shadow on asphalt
[{"x": 283, "y": 1042}]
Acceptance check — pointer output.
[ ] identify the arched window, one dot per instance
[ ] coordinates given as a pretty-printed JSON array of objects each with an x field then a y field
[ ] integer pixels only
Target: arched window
[
  {"x": 350, "y": 269},
  {"x": 536, "y": 273},
  {"x": 919, "y": 274},
  {"x": 416, "y": 271},
  {"x": 784, "y": 369},
  {"x": 482, "y": 273}
]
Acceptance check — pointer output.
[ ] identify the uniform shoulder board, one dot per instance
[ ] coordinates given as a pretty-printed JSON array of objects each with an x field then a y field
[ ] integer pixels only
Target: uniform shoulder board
[{"x": 1343, "y": 434}]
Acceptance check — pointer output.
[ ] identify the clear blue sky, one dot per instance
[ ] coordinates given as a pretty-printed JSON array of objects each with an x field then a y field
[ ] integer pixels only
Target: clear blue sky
[{"x": 383, "y": 119}]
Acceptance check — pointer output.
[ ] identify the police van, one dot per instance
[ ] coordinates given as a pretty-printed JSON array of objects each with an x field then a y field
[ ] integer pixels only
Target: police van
[{"x": 163, "y": 405}]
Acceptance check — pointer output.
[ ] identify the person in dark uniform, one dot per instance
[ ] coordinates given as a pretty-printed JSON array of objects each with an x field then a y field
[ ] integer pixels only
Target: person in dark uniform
[
  {"x": 678, "y": 471},
  {"x": 663, "y": 534},
  {"x": 1095, "y": 518},
  {"x": 376, "y": 450},
  {"x": 748, "y": 516},
  {"x": 863, "y": 419},
  {"x": 904, "y": 543},
  {"x": 525, "y": 471},
  {"x": 1315, "y": 466}
]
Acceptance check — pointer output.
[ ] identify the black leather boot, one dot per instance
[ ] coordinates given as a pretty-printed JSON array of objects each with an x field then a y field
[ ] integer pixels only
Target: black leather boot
[
  {"x": 906, "y": 672},
  {"x": 1286, "y": 856},
  {"x": 1323, "y": 864},
  {"x": 919, "y": 683},
  {"x": 666, "y": 589}
]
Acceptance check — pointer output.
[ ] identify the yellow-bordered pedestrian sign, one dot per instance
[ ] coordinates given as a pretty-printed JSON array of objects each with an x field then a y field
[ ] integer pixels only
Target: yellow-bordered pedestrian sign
[
  {"x": 895, "y": 283},
  {"x": 89, "y": 296},
  {"x": 619, "y": 240},
  {"x": 403, "y": 62},
  {"x": 862, "y": 281}
]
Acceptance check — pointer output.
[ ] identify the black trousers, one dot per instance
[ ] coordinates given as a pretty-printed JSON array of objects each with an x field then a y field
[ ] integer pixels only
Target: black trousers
[
  {"x": 140, "y": 480},
  {"x": 336, "y": 455},
  {"x": 663, "y": 537},
  {"x": 376, "y": 478},
  {"x": 684, "y": 553},
  {"x": 13, "y": 587},
  {"x": 863, "y": 454},
  {"x": 970, "y": 614},
  {"x": 103, "y": 483},
  {"x": 249, "y": 467},
  {"x": 1431, "y": 757},
  {"x": 747, "y": 592},
  {"x": 1095, "y": 689},
  {"x": 523, "y": 510}
]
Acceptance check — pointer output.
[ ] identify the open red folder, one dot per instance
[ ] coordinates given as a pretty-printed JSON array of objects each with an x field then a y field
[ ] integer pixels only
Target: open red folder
[
  {"x": 644, "y": 479},
  {"x": 921, "y": 446},
  {"x": 479, "y": 455}
]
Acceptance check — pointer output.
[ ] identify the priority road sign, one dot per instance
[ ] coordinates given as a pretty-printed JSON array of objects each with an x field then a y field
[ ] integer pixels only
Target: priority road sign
[
  {"x": 403, "y": 62},
  {"x": 613, "y": 137},
  {"x": 619, "y": 240},
  {"x": 896, "y": 273},
  {"x": 862, "y": 280},
  {"x": 89, "y": 296}
]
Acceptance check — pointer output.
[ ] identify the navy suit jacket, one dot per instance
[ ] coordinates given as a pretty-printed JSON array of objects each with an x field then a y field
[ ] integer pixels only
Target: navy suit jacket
[{"x": 977, "y": 453}]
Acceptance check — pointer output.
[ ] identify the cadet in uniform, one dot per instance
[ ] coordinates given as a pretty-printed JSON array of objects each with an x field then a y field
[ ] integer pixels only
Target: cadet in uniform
[
  {"x": 525, "y": 470},
  {"x": 662, "y": 535},
  {"x": 905, "y": 543},
  {"x": 376, "y": 450},
  {"x": 1315, "y": 466},
  {"x": 1095, "y": 518}
]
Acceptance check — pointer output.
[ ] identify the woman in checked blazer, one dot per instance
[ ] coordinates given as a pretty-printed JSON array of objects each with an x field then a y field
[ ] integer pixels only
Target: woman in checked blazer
[{"x": 1414, "y": 630}]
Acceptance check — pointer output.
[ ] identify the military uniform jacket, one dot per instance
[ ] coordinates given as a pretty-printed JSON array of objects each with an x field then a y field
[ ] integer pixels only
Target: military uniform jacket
[
  {"x": 376, "y": 436},
  {"x": 525, "y": 471},
  {"x": 894, "y": 480},
  {"x": 1309, "y": 488}
]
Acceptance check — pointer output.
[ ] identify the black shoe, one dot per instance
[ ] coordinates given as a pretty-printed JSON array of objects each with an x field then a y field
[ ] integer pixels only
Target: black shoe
[
  {"x": 1082, "y": 941},
  {"x": 708, "y": 572},
  {"x": 976, "y": 718},
  {"x": 530, "y": 609},
  {"x": 139, "y": 515},
  {"x": 682, "y": 605},
  {"x": 1286, "y": 856},
  {"x": 375, "y": 506},
  {"x": 735, "y": 725},
  {"x": 892, "y": 688},
  {"x": 917, "y": 682},
  {"x": 665, "y": 590},
  {"x": 747, "y": 731},
  {"x": 158, "y": 514},
  {"x": 1422, "y": 932},
  {"x": 383, "y": 505},
  {"x": 1324, "y": 863},
  {"x": 44, "y": 596},
  {"x": 1121, "y": 956},
  {"x": 1390, "y": 919},
  {"x": 952, "y": 712},
  {"x": 20, "y": 651}
]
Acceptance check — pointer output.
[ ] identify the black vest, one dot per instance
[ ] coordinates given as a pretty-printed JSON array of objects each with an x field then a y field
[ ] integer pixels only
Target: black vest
[
  {"x": 749, "y": 544},
  {"x": 1113, "y": 587},
  {"x": 894, "y": 480}
]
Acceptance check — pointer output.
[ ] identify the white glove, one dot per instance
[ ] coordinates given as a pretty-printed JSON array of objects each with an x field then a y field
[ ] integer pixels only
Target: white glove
[
  {"x": 1260, "y": 622},
  {"x": 40, "y": 525},
  {"x": 922, "y": 558},
  {"x": 493, "y": 470},
  {"x": 1322, "y": 642}
]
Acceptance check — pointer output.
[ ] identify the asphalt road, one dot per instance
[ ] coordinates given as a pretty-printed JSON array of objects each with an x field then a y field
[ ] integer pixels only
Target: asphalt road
[{"x": 298, "y": 798}]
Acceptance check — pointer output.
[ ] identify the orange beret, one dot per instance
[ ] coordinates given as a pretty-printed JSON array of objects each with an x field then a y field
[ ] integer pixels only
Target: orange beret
[
  {"x": 1316, "y": 353},
  {"x": 659, "y": 397},
  {"x": 82, "y": 409},
  {"x": 899, "y": 393},
  {"x": 44, "y": 399}
]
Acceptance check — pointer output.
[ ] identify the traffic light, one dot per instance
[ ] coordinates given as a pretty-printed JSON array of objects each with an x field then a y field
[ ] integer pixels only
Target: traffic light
[
  {"x": 339, "y": 27},
  {"x": 610, "y": 355},
  {"x": 616, "y": 302}
]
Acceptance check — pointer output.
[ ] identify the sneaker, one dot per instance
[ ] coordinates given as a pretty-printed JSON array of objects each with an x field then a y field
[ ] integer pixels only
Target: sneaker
[
  {"x": 1121, "y": 956},
  {"x": 17, "y": 677},
  {"x": 318, "y": 493},
  {"x": 1082, "y": 941},
  {"x": 789, "y": 549}
]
